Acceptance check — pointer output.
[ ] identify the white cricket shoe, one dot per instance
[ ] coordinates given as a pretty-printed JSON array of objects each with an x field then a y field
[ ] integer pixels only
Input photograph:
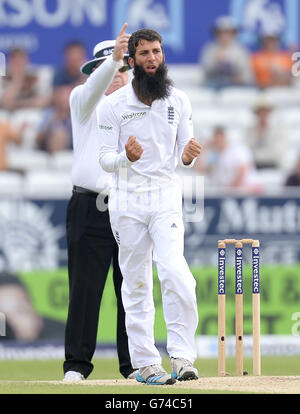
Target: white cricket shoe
[
  {"x": 133, "y": 374},
  {"x": 154, "y": 375},
  {"x": 73, "y": 376},
  {"x": 183, "y": 370}
]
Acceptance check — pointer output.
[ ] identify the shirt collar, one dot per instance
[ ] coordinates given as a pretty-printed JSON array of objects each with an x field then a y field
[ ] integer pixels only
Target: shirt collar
[{"x": 132, "y": 99}]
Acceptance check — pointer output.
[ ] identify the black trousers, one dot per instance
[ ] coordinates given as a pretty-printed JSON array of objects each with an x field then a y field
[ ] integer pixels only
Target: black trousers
[{"x": 91, "y": 249}]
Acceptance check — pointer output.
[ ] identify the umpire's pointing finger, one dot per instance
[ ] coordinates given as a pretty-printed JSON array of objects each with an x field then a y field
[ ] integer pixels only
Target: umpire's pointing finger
[{"x": 123, "y": 30}]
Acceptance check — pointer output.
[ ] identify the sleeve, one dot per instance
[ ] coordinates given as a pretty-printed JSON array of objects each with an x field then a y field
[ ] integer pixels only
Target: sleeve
[
  {"x": 85, "y": 101},
  {"x": 111, "y": 160},
  {"x": 208, "y": 60},
  {"x": 246, "y": 70},
  {"x": 185, "y": 130}
]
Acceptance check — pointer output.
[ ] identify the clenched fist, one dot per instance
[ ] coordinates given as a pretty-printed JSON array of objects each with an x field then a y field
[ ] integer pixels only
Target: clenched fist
[
  {"x": 191, "y": 151},
  {"x": 133, "y": 149}
]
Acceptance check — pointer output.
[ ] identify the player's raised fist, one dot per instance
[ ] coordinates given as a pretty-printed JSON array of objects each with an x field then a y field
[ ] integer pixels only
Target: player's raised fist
[
  {"x": 133, "y": 149},
  {"x": 191, "y": 151},
  {"x": 121, "y": 46}
]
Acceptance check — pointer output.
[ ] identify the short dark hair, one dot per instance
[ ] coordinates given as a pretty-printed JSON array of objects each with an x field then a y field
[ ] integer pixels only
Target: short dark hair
[
  {"x": 219, "y": 129},
  {"x": 17, "y": 51},
  {"x": 142, "y": 34},
  {"x": 74, "y": 43}
]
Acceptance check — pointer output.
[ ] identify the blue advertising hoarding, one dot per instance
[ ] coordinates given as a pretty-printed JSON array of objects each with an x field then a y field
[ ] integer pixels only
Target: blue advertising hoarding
[
  {"x": 33, "y": 259},
  {"x": 274, "y": 220},
  {"x": 45, "y": 26},
  {"x": 33, "y": 231}
]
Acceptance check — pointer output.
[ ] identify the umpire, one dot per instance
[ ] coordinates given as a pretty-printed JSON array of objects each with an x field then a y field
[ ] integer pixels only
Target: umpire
[{"x": 91, "y": 244}]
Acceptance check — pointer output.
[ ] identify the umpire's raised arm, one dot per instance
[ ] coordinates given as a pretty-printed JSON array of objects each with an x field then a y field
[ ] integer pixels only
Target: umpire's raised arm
[{"x": 85, "y": 98}]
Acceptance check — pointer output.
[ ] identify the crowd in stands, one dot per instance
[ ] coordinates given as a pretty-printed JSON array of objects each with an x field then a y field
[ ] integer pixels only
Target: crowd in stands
[
  {"x": 225, "y": 63},
  {"x": 263, "y": 143},
  {"x": 23, "y": 91}
]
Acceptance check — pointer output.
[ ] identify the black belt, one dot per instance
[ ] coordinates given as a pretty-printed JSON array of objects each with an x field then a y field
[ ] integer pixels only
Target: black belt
[
  {"x": 90, "y": 193},
  {"x": 81, "y": 190}
]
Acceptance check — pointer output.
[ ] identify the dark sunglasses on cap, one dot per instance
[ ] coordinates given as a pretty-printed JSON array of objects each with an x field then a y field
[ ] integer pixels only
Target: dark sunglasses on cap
[
  {"x": 126, "y": 65},
  {"x": 124, "y": 68}
]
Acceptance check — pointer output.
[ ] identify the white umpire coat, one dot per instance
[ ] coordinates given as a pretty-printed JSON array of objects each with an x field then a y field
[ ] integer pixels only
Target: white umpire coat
[{"x": 84, "y": 100}]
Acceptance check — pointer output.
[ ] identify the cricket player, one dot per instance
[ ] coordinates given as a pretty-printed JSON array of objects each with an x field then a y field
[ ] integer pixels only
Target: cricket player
[
  {"x": 90, "y": 241},
  {"x": 142, "y": 128}
]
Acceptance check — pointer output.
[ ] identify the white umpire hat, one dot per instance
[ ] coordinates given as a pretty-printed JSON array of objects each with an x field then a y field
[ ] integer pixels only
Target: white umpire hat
[
  {"x": 223, "y": 23},
  {"x": 101, "y": 51}
]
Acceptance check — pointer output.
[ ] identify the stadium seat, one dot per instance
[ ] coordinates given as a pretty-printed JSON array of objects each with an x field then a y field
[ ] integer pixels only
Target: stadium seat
[
  {"x": 185, "y": 74},
  {"x": 238, "y": 96},
  {"x": 200, "y": 96},
  {"x": 210, "y": 116},
  {"x": 271, "y": 178},
  {"x": 25, "y": 159},
  {"x": 202, "y": 133},
  {"x": 11, "y": 183},
  {"x": 32, "y": 118},
  {"x": 239, "y": 117},
  {"x": 45, "y": 75},
  {"x": 289, "y": 159},
  {"x": 62, "y": 160},
  {"x": 283, "y": 96},
  {"x": 288, "y": 117},
  {"x": 293, "y": 138},
  {"x": 47, "y": 183}
]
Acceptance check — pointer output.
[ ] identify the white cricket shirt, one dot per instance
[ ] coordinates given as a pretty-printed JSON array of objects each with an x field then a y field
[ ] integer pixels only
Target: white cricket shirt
[
  {"x": 161, "y": 129},
  {"x": 84, "y": 99}
]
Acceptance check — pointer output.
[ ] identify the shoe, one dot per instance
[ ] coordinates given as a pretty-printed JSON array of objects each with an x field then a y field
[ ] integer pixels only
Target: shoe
[
  {"x": 154, "y": 375},
  {"x": 73, "y": 376},
  {"x": 133, "y": 374},
  {"x": 183, "y": 370}
]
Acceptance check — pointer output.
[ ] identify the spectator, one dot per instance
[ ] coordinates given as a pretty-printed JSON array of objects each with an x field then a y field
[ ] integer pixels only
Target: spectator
[
  {"x": 69, "y": 73},
  {"x": 264, "y": 138},
  {"x": 271, "y": 65},
  {"x": 21, "y": 84},
  {"x": 226, "y": 62},
  {"x": 55, "y": 131},
  {"x": 293, "y": 179},
  {"x": 227, "y": 164},
  {"x": 8, "y": 134}
]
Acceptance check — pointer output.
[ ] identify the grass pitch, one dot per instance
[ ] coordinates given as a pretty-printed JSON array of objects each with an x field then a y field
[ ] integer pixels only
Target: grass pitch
[{"x": 43, "y": 377}]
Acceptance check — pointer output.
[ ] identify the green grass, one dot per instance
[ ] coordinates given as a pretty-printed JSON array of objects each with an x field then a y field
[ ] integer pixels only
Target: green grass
[{"x": 16, "y": 372}]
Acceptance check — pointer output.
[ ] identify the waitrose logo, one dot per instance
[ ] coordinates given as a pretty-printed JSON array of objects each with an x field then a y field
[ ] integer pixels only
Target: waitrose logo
[
  {"x": 133, "y": 115},
  {"x": 105, "y": 127}
]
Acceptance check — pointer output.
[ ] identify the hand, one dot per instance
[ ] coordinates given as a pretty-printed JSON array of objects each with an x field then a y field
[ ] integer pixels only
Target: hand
[
  {"x": 133, "y": 149},
  {"x": 191, "y": 151},
  {"x": 121, "y": 46}
]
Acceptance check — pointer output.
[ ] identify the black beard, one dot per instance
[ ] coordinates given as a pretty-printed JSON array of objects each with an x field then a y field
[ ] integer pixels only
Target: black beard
[{"x": 149, "y": 87}]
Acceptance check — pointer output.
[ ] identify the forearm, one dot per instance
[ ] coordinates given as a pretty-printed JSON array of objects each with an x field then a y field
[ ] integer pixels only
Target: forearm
[
  {"x": 191, "y": 151},
  {"x": 33, "y": 102},
  {"x": 182, "y": 162},
  {"x": 96, "y": 86},
  {"x": 112, "y": 162},
  {"x": 8, "y": 100},
  {"x": 100, "y": 79},
  {"x": 240, "y": 175}
]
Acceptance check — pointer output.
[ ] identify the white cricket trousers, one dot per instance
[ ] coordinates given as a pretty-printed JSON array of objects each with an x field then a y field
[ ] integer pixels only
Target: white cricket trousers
[{"x": 144, "y": 231}]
